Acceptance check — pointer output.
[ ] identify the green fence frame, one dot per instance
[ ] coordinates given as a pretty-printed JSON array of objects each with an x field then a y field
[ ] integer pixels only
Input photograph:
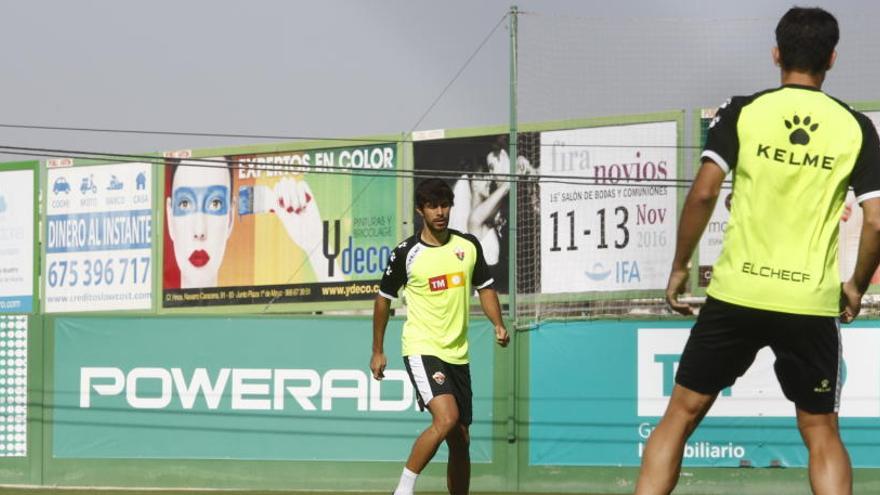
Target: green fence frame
[{"x": 508, "y": 472}]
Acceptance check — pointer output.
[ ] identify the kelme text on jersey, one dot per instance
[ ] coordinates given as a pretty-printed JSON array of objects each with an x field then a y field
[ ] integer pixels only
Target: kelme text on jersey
[{"x": 789, "y": 157}]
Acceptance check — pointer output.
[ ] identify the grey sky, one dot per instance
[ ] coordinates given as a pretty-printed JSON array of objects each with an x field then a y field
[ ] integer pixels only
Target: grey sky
[{"x": 350, "y": 68}]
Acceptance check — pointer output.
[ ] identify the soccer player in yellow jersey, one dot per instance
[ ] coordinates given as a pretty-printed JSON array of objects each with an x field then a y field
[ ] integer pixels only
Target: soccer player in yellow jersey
[
  {"x": 793, "y": 152},
  {"x": 438, "y": 269}
]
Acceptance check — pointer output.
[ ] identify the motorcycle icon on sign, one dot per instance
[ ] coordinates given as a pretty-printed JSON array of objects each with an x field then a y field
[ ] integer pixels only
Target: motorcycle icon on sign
[{"x": 88, "y": 185}]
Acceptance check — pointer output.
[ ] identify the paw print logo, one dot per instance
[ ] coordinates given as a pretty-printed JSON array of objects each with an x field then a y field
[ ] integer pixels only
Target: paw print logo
[{"x": 799, "y": 134}]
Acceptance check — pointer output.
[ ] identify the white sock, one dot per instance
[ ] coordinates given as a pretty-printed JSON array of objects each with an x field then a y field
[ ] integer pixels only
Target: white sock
[{"x": 407, "y": 483}]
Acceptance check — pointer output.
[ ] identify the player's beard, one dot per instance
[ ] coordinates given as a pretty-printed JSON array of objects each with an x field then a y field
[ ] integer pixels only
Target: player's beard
[{"x": 438, "y": 233}]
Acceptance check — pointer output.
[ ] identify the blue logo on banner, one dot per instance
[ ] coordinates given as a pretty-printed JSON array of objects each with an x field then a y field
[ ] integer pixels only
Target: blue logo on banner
[
  {"x": 16, "y": 304},
  {"x": 88, "y": 185},
  {"x": 115, "y": 184},
  {"x": 60, "y": 186},
  {"x": 599, "y": 272}
]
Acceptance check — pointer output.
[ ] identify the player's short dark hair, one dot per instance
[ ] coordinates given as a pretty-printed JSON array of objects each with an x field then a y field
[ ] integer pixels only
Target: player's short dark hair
[
  {"x": 806, "y": 37},
  {"x": 433, "y": 191}
]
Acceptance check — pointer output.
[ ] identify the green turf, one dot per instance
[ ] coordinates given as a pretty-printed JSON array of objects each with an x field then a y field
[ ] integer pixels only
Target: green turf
[{"x": 19, "y": 490}]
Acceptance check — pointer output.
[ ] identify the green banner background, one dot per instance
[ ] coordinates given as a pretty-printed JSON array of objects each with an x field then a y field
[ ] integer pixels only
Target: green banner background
[{"x": 111, "y": 428}]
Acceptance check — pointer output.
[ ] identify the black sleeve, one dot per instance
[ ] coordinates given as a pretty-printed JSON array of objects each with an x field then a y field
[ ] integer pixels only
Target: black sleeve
[
  {"x": 722, "y": 141},
  {"x": 481, "y": 277},
  {"x": 865, "y": 178},
  {"x": 395, "y": 273}
]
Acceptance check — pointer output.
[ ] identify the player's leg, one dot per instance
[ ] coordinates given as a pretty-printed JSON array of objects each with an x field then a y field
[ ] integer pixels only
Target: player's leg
[
  {"x": 830, "y": 469},
  {"x": 661, "y": 460},
  {"x": 434, "y": 392},
  {"x": 458, "y": 470},
  {"x": 808, "y": 354},
  {"x": 721, "y": 347},
  {"x": 444, "y": 418}
]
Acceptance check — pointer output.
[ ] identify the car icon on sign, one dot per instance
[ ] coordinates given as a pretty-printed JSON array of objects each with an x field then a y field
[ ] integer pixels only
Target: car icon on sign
[{"x": 60, "y": 186}]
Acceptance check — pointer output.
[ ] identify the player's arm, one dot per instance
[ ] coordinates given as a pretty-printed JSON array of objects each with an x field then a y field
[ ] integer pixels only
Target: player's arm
[
  {"x": 695, "y": 215},
  {"x": 482, "y": 280},
  {"x": 718, "y": 158},
  {"x": 393, "y": 279},
  {"x": 865, "y": 180},
  {"x": 866, "y": 261},
  {"x": 492, "y": 309},
  {"x": 381, "y": 313}
]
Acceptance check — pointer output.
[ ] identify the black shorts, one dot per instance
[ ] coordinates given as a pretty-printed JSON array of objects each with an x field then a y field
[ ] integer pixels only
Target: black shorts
[
  {"x": 431, "y": 376},
  {"x": 726, "y": 337}
]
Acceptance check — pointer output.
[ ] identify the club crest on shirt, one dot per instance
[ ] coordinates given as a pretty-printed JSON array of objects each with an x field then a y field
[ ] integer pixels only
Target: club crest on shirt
[
  {"x": 439, "y": 377},
  {"x": 459, "y": 253}
]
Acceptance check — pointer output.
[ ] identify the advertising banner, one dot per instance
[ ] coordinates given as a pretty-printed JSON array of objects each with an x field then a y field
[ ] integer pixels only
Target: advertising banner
[
  {"x": 13, "y": 385},
  {"x": 481, "y": 201},
  {"x": 584, "y": 420},
  {"x": 243, "y": 388},
  {"x": 99, "y": 228},
  {"x": 299, "y": 226},
  {"x": 17, "y": 209},
  {"x": 614, "y": 231}
]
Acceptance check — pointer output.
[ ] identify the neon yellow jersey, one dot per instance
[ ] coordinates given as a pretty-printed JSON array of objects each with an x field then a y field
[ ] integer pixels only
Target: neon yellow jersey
[
  {"x": 437, "y": 281},
  {"x": 793, "y": 151}
]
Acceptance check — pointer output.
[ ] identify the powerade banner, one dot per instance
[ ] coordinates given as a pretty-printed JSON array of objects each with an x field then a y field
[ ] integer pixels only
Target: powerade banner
[
  {"x": 99, "y": 230},
  {"x": 17, "y": 209},
  {"x": 481, "y": 196},
  {"x": 243, "y": 388},
  {"x": 315, "y": 225},
  {"x": 616, "y": 233},
  {"x": 598, "y": 389}
]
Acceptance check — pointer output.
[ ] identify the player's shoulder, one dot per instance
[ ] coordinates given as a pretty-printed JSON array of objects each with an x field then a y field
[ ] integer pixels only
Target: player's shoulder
[
  {"x": 465, "y": 236},
  {"x": 729, "y": 110},
  {"x": 732, "y": 107},
  {"x": 861, "y": 119},
  {"x": 738, "y": 102},
  {"x": 406, "y": 245}
]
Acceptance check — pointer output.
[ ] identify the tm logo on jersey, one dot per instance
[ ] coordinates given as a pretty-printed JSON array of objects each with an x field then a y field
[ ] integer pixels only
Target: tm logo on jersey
[
  {"x": 448, "y": 281},
  {"x": 800, "y": 135}
]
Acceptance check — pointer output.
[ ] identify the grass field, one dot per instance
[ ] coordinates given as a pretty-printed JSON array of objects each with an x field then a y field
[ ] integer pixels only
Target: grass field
[{"x": 18, "y": 490}]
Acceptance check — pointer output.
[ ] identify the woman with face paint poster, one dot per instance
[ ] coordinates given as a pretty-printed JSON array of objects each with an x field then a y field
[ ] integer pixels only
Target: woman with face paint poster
[{"x": 200, "y": 215}]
